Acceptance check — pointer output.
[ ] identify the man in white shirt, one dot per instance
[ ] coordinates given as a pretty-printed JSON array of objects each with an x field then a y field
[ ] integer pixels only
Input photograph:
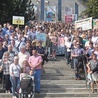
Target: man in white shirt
[
  {"x": 65, "y": 40},
  {"x": 68, "y": 46},
  {"x": 23, "y": 55}
]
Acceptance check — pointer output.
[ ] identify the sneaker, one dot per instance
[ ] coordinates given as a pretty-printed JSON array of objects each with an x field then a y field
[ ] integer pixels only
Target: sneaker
[
  {"x": 14, "y": 97},
  {"x": 8, "y": 92}
]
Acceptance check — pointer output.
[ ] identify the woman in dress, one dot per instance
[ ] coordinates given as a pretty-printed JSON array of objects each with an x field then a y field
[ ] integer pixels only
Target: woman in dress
[{"x": 54, "y": 45}]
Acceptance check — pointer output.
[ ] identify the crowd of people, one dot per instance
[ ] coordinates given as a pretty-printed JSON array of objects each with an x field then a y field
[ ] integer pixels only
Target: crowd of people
[{"x": 20, "y": 50}]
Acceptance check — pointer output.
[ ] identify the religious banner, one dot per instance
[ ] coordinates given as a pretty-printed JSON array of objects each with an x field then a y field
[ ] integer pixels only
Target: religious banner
[
  {"x": 42, "y": 37},
  {"x": 52, "y": 9},
  {"x": 18, "y": 20},
  {"x": 60, "y": 46},
  {"x": 49, "y": 16}
]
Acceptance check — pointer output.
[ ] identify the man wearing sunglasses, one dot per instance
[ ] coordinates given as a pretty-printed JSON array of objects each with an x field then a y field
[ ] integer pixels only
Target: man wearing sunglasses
[{"x": 77, "y": 58}]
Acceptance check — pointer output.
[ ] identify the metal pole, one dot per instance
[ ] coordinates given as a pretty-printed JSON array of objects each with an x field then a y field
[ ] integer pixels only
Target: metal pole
[
  {"x": 89, "y": 91},
  {"x": 42, "y": 10},
  {"x": 85, "y": 72}
]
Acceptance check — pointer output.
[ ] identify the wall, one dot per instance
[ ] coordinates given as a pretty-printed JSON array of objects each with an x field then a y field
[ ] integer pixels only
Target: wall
[{"x": 65, "y": 3}]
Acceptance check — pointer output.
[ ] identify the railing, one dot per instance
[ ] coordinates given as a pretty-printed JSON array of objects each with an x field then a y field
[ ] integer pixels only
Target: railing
[{"x": 85, "y": 72}]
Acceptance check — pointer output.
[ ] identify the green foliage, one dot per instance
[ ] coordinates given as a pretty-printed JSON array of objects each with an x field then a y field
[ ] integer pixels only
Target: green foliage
[
  {"x": 9, "y": 8},
  {"x": 92, "y": 8}
]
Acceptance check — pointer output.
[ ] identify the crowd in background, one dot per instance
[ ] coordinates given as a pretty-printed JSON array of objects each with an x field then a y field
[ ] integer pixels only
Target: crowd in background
[{"x": 19, "y": 46}]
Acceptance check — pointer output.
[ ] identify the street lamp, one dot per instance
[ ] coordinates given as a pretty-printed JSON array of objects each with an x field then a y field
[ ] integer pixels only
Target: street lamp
[{"x": 38, "y": 9}]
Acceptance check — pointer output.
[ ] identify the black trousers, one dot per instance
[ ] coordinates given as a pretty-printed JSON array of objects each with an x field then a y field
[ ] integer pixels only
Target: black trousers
[
  {"x": 68, "y": 57},
  {"x": 7, "y": 82}
]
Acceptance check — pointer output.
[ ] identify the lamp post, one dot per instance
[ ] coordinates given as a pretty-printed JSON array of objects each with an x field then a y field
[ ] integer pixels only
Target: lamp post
[
  {"x": 42, "y": 9},
  {"x": 38, "y": 10}
]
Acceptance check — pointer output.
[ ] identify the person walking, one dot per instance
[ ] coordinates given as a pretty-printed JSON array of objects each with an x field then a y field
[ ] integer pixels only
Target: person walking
[{"x": 92, "y": 72}]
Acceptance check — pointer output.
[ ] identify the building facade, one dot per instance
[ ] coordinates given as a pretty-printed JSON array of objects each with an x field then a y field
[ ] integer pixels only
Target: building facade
[{"x": 59, "y": 8}]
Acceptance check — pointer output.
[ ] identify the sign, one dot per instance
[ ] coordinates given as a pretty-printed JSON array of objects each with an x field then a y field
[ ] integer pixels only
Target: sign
[
  {"x": 68, "y": 10},
  {"x": 85, "y": 24},
  {"x": 74, "y": 17},
  {"x": 68, "y": 18},
  {"x": 19, "y": 20},
  {"x": 42, "y": 37},
  {"x": 60, "y": 46},
  {"x": 95, "y": 23},
  {"x": 52, "y": 9},
  {"x": 49, "y": 16}
]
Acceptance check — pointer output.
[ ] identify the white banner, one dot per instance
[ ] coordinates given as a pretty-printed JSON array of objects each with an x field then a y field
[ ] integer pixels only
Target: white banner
[{"x": 85, "y": 24}]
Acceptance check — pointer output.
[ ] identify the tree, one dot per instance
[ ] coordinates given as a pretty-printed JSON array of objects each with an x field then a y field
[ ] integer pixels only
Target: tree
[
  {"x": 8, "y": 8},
  {"x": 92, "y": 8}
]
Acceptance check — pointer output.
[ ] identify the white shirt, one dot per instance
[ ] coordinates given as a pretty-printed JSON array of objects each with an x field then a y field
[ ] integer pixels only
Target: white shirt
[
  {"x": 15, "y": 70},
  {"x": 96, "y": 52},
  {"x": 87, "y": 44},
  {"x": 94, "y": 39},
  {"x": 65, "y": 39},
  {"x": 68, "y": 46},
  {"x": 23, "y": 57}
]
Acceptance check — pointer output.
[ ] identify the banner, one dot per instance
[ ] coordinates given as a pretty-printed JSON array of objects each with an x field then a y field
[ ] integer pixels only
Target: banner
[
  {"x": 74, "y": 17},
  {"x": 42, "y": 37},
  {"x": 68, "y": 11},
  {"x": 60, "y": 46},
  {"x": 52, "y": 9},
  {"x": 85, "y": 24},
  {"x": 95, "y": 23},
  {"x": 68, "y": 18},
  {"x": 19, "y": 20},
  {"x": 49, "y": 16}
]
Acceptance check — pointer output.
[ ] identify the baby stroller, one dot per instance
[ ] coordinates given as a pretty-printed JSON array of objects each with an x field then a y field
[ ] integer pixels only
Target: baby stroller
[{"x": 27, "y": 87}]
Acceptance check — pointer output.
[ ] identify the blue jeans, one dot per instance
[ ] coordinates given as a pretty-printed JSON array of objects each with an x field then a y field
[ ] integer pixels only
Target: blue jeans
[
  {"x": 15, "y": 81},
  {"x": 65, "y": 52},
  {"x": 68, "y": 57},
  {"x": 37, "y": 76},
  {"x": 76, "y": 62}
]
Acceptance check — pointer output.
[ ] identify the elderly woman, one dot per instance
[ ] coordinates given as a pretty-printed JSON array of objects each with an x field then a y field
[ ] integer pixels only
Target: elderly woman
[
  {"x": 92, "y": 74},
  {"x": 14, "y": 76},
  {"x": 5, "y": 67}
]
